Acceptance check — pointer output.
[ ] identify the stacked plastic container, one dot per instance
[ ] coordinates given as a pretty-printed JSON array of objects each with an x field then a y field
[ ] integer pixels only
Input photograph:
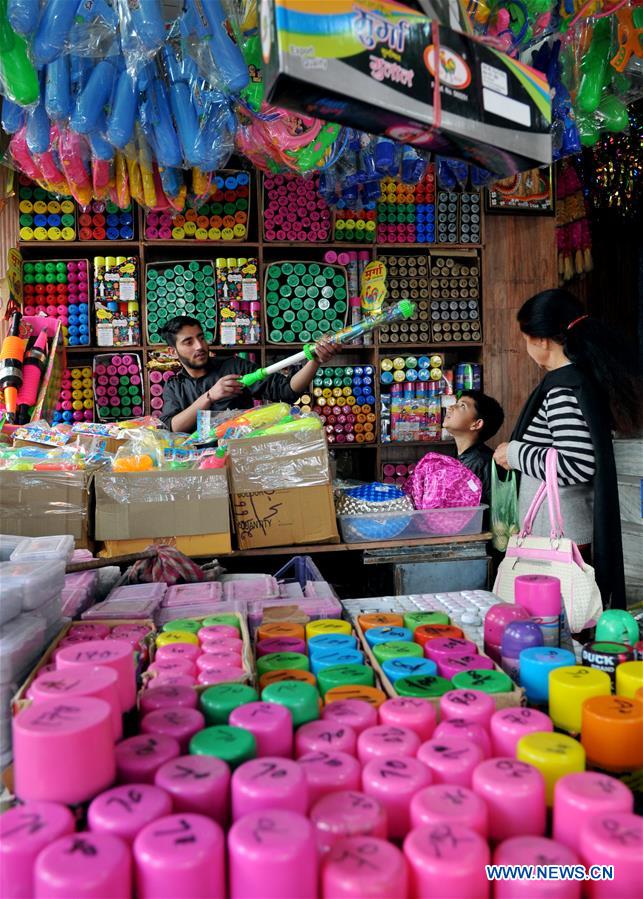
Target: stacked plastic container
[
  {"x": 118, "y": 386},
  {"x": 32, "y": 576},
  {"x": 76, "y": 399},
  {"x": 61, "y": 289},
  {"x": 158, "y": 380}
]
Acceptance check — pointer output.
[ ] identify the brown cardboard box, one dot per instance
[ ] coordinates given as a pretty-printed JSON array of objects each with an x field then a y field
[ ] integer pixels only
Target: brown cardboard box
[
  {"x": 43, "y": 503},
  {"x": 281, "y": 490},
  {"x": 196, "y": 547},
  {"x": 145, "y": 506}
]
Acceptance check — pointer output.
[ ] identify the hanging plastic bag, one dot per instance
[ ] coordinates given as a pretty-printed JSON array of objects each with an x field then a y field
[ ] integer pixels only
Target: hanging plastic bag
[{"x": 504, "y": 508}]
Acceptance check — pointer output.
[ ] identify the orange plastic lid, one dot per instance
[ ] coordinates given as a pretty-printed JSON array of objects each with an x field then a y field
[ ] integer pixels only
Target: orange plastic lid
[
  {"x": 612, "y": 732},
  {"x": 280, "y": 629},
  {"x": 380, "y": 619},
  {"x": 371, "y": 695},
  {"x": 427, "y": 632},
  {"x": 281, "y": 674}
]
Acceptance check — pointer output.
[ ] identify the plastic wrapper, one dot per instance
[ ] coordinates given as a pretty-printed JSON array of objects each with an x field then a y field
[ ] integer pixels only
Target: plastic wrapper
[
  {"x": 13, "y": 116},
  {"x": 72, "y": 25},
  {"x": 142, "y": 27},
  {"x": 284, "y": 609},
  {"x": 18, "y": 79},
  {"x": 55, "y": 548},
  {"x": 211, "y": 45},
  {"x": 245, "y": 587},
  {"x": 51, "y": 502},
  {"x": 182, "y": 596},
  {"x": 278, "y": 462},
  {"x": 504, "y": 509}
]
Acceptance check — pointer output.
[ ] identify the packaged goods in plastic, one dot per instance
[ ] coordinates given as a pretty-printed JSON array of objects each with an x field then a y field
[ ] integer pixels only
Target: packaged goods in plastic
[
  {"x": 43, "y": 503},
  {"x": 31, "y": 583}
]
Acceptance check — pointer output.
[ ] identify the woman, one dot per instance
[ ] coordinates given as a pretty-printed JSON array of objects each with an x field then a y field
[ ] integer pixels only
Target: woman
[{"x": 587, "y": 391}]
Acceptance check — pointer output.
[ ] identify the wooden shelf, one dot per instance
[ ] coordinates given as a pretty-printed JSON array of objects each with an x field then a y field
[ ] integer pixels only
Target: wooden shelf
[
  {"x": 427, "y": 443},
  {"x": 77, "y": 244},
  {"x": 212, "y": 244},
  {"x": 359, "y": 547},
  {"x": 453, "y": 345}
]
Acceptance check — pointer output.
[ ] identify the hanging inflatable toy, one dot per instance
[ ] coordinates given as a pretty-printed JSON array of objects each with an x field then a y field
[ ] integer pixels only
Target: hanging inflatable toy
[{"x": 18, "y": 79}]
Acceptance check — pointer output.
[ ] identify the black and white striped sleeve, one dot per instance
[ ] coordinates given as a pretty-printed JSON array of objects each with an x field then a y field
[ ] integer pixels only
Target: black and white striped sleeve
[{"x": 559, "y": 423}]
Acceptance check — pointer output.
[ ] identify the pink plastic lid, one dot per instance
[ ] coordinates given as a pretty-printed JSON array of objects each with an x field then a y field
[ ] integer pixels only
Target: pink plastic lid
[
  {"x": 98, "y": 681},
  {"x": 63, "y": 750},
  {"x": 416, "y": 714},
  {"x": 272, "y": 853},
  {"x": 394, "y": 782},
  {"x": 584, "y": 794},
  {"x": 180, "y": 855},
  {"x": 508, "y": 726},
  {"x": 449, "y": 666},
  {"x": 386, "y": 740},
  {"x": 450, "y": 804},
  {"x": 329, "y": 772},
  {"x": 472, "y": 705},
  {"x": 270, "y": 724},
  {"x": 177, "y": 665},
  {"x": 364, "y": 866},
  {"x": 217, "y": 630},
  {"x": 116, "y": 654},
  {"x": 515, "y": 795},
  {"x": 268, "y": 783},
  {"x": 173, "y": 680},
  {"x": 123, "y": 811},
  {"x": 180, "y": 722},
  {"x": 138, "y": 758},
  {"x": 85, "y": 866},
  {"x": 451, "y": 760},
  {"x": 221, "y": 658},
  {"x": 448, "y": 646},
  {"x": 497, "y": 619},
  {"x": 221, "y": 675},
  {"x": 25, "y": 830},
  {"x": 347, "y": 813},
  {"x": 168, "y": 696},
  {"x": 199, "y": 784},
  {"x": 354, "y": 712},
  {"x": 614, "y": 838},
  {"x": 466, "y": 730},
  {"x": 182, "y": 650},
  {"x": 535, "y": 851},
  {"x": 326, "y": 736},
  {"x": 450, "y": 855},
  {"x": 539, "y": 594},
  {"x": 89, "y": 631},
  {"x": 280, "y": 644}
]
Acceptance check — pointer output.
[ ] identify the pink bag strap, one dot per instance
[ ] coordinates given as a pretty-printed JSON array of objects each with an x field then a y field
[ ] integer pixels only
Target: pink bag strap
[{"x": 548, "y": 488}]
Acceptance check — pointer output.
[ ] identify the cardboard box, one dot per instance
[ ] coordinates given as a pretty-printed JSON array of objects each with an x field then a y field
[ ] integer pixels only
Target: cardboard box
[
  {"x": 200, "y": 546},
  {"x": 281, "y": 490},
  {"x": 371, "y": 65},
  {"x": 158, "y": 506},
  {"x": 45, "y": 503}
]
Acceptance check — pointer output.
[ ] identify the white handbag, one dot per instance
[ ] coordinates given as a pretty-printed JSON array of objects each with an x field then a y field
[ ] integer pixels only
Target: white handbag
[{"x": 555, "y": 555}]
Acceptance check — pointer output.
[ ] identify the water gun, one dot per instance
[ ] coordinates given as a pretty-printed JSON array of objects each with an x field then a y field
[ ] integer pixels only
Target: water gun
[
  {"x": 630, "y": 36},
  {"x": 17, "y": 75},
  {"x": 291, "y": 424},
  {"x": 34, "y": 367},
  {"x": 206, "y": 23},
  {"x": 11, "y": 359},
  {"x": 13, "y": 116},
  {"x": 405, "y": 309},
  {"x": 23, "y": 15},
  {"x": 262, "y": 417},
  {"x": 214, "y": 460}
]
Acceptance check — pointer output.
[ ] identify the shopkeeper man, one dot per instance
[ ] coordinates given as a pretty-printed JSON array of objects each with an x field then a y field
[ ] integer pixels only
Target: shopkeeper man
[{"x": 205, "y": 382}]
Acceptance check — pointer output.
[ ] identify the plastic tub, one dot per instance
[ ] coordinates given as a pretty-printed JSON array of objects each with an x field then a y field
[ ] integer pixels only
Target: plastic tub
[
  {"x": 33, "y": 583},
  {"x": 44, "y": 549},
  {"x": 8, "y": 542},
  {"x": 21, "y": 642},
  {"x": 422, "y": 523}
]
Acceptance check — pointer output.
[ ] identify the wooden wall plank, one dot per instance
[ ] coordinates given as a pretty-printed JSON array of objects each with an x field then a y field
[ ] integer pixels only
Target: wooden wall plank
[{"x": 519, "y": 260}]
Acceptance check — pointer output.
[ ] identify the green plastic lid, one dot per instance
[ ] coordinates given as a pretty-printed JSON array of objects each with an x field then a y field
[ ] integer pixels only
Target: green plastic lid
[
  {"x": 182, "y": 624},
  {"x": 417, "y": 619},
  {"x": 423, "y": 685},
  {"x": 345, "y": 675},
  {"x": 484, "y": 680},
  {"x": 274, "y": 661},
  {"x": 301, "y": 699},
  {"x": 217, "y": 702},
  {"x": 397, "y": 649},
  {"x": 222, "y": 618},
  {"x": 233, "y": 745}
]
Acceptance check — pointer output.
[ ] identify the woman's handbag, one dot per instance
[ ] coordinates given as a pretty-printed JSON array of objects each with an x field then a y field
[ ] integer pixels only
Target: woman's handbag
[{"x": 555, "y": 555}]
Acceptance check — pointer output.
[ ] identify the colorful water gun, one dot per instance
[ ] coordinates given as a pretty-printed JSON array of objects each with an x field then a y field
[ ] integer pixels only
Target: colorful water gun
[
  {"x": 405, "y": 309},
  {"x": 34, "y": 366},
  {"x": 252, "y": 419},
  {"x": 215, "y": 51},
  {"x": 17, "y": 75},
  {"x": 11, "y": 359},
  {"x": 630, "y": 36},
  {"x": 291, "y": 424}
]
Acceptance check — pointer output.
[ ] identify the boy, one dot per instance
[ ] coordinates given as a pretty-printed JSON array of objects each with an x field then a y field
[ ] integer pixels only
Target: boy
[{"x": 474, "y": 418}]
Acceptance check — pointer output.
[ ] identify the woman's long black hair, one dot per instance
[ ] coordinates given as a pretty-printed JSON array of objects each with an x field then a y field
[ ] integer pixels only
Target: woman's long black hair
[{"x": 593, "y": 347}]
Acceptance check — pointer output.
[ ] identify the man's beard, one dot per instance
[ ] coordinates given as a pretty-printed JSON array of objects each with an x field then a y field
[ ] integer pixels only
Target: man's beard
[{"x": 195, "y": 366}]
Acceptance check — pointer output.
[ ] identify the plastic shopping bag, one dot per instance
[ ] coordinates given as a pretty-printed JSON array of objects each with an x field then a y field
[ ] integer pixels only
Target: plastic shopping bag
[{"x": 504, "y": 508}]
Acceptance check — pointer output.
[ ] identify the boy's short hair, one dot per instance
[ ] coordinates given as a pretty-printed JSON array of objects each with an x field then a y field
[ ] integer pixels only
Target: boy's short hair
[
  {"x": 172, "y": 327},
  {"x": 489, "y": 410}
]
